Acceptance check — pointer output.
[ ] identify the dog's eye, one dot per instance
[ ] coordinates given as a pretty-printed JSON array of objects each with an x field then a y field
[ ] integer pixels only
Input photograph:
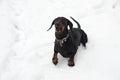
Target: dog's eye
[
  {"x": 59, "y": 27},
  {"x": 56, "y": 28}
]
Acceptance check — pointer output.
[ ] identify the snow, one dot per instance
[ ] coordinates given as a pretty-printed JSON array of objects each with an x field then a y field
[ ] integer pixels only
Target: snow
[{"x": 26, "y": 47}]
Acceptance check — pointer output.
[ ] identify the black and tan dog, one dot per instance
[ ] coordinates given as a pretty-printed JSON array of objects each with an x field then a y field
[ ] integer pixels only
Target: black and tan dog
[{"x": 67, "y": 41}]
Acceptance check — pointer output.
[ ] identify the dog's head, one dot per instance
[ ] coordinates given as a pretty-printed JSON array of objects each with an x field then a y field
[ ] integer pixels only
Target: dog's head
[{"x": 61, "y": 27}]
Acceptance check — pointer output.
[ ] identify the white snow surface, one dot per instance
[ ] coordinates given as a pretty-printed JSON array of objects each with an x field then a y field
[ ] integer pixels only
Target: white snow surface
[{"x": 26, "y": 47}]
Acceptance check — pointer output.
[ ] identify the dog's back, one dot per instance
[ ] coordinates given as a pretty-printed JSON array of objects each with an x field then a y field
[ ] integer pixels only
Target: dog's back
[{"x": 79, "y": 35}]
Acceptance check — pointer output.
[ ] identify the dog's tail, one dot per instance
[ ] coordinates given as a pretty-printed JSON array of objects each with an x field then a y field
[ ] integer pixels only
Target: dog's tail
[{"x": 76, "y": 22}]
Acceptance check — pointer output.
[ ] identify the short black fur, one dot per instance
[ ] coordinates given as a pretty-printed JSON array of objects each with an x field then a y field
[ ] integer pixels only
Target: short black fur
[{"x": 67, "y": 41}]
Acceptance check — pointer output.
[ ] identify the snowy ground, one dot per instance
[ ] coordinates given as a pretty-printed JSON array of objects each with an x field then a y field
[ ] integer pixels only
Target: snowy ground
[{"x": 26, "y": 48}]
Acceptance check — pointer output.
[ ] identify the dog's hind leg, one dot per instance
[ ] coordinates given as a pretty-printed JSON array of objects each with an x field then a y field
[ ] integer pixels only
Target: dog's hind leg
[{"x": 84, "y": 38}]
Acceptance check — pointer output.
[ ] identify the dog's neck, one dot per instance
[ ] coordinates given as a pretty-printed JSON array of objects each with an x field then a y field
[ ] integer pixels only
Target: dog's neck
[{"x": 61, "y": 41}]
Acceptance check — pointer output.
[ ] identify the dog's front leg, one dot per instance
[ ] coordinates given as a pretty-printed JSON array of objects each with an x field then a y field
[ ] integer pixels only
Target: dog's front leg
[
  {"x": 71, "y": 61},
  {"x": 55, "y": 58}
]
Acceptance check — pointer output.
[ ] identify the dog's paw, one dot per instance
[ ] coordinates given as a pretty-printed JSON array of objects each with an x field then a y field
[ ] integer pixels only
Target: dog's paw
[
  {"x": 55, "y": 61},
  {"x": 71, "y": 63}
]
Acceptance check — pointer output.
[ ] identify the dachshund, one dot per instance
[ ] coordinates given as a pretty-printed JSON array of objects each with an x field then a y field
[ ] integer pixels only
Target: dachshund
[{"x": 67, "y": 40}]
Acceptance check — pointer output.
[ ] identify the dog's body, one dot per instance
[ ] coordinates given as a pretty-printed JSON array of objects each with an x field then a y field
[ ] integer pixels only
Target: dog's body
[{"x": 67, "y": 41}]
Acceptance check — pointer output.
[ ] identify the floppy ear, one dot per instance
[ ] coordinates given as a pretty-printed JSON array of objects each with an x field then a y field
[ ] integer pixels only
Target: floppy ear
[
  {"x": 70, "y": 24},
  {"x": 51, "y": 25}
]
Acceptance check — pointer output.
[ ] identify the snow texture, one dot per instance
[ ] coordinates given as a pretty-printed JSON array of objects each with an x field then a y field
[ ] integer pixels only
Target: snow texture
[{"x": 26, "y": 47}]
